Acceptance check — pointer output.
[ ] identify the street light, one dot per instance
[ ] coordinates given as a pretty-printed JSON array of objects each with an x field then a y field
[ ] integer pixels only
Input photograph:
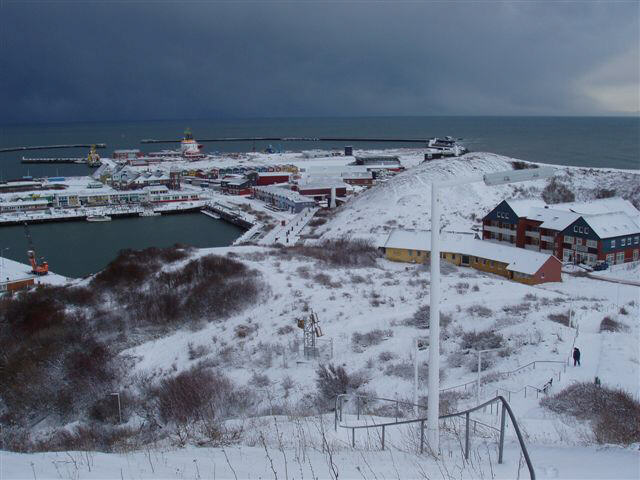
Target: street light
[{"x": 499, "y": 178}]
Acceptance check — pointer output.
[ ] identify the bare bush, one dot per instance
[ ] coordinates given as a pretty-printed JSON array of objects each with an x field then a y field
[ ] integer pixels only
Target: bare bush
[
  {"x": 338, "y": 253},
  {"x": 422, "y": 315},
  {"x": 520, "y": 165},
  {"x": 386, "y": 356},
  {"x": 479, "y": 310},
  {"x": 608, "y": 324},
  {"x": 198, "y": 351},
  {"x": 482, "y": 340},
  {"x": 561, "y": 318},
  {"x": 605, "y": 193},
  {"x": 518, "y": 309},
  {"x": 334, "y": 380},
  {"x": 286, "y": 330},
  {"x": 614, "y": 413},
  {"x": 557, "y": 192},
  {"x": 360, "y": 341},
  {"x": 259, "y": 380}
]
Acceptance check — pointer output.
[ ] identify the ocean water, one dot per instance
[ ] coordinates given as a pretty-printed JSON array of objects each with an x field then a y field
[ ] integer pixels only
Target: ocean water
[{"x": 579, "y": 141}]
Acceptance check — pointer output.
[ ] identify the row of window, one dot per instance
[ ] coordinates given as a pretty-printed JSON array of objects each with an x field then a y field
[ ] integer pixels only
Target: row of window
[
  {"x": 627, "y": 242},
  {"x": 504, "y": 215},
  {"x": 579, "y": 229},
  {"x": 619, "y": 257}
]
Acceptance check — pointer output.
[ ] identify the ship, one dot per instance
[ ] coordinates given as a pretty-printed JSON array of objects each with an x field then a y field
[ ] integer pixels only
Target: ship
[
  {"x": 189, "y": 148},
  {"x": 98, "y": 218}
]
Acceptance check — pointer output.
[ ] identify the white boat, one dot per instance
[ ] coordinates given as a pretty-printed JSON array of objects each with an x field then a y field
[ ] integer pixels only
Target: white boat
[
  {"x": 98, "y": 218},
  {"x": 149, "y": 213}
]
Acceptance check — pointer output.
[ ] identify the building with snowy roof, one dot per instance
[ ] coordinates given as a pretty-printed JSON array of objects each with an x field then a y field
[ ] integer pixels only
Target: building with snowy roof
[
  {"x": 283, "y": 198},
  {"x": 577, "y": 232},
  {"x": 524, "y": 266}
]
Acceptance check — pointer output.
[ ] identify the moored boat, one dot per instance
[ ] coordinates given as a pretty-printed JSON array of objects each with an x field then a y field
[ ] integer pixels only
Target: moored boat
[{"x": 98, "y": 218}]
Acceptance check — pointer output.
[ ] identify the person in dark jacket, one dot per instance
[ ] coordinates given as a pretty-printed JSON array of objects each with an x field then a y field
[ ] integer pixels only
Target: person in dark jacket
[{"x": 576, "y": 356}]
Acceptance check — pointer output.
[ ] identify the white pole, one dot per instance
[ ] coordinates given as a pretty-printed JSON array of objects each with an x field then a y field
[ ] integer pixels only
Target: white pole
[
  {"x": 415, "y": 377},
  {"x": 433, "y": 428}
]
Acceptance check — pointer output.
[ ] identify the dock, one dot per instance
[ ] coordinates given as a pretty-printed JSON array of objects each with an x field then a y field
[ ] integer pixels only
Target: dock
[
  {"x": 54, "y": 160},
  {"x": 52, "y": 147},
  {"x": 297, "y": 139}
]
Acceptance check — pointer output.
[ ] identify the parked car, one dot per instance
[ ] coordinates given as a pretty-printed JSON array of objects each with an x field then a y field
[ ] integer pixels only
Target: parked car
[{"x": 602, "y": 265}]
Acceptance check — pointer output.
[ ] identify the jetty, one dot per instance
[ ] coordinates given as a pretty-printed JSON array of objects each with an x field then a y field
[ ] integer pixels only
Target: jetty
[
  {"x": 52, "y": 147},
  {"x": 296, "y": 139},
  {"x": 54, "y": 160}
]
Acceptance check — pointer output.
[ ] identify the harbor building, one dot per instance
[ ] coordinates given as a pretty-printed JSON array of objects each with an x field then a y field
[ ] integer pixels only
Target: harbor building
[
  {"x": 283, "y": 199},
  {"x": 524, "y": 266}
]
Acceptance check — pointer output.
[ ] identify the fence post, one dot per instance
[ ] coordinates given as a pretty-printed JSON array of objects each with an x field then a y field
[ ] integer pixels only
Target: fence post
[
  {"x": 466, "y": 438},
  {"x": 525, "y": 391},
  {"x": 358, "y": 406},
  {"x": 353, "y": 438},
  {"x": 501, "y": 446},
  {"x": 422, "y": 436},
  {"x": 396, "y": 410},
  {"x": 382, "y": 437}
]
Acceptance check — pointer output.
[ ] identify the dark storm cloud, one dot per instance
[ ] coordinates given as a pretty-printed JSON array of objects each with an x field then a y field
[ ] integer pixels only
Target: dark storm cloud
[{"x": 144, "y": 60}]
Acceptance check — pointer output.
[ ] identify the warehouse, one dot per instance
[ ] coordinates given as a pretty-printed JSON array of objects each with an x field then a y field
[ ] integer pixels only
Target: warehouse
[{"x": 283, "y": 198}]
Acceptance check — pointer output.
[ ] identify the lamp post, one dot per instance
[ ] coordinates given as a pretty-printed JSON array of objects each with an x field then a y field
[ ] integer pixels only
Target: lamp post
[{"x": 499, "y": 178}]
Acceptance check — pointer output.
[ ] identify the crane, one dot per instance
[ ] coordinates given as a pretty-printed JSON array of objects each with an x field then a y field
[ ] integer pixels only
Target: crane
[{"x": 41, "y": 268}]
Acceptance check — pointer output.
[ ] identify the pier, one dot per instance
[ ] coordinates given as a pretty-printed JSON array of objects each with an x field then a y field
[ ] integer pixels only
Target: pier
[
  {"x": 52, "y": 147},
  {"x": 296, "y": 139},
  {"x": 54, "y": 160}
]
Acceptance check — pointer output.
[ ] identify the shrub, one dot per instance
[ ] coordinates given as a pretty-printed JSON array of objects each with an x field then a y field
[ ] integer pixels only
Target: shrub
[
  {"x": 561, "y": 318},
  {"x": 286, "y": 330},
  {"x": 360, "y": 341},
  {"x": 386, "y": 356},
  {"x": 420, "y": 318},
  {"x": 614, "y": 413},
  {"x": 259, "y": 380},
  {"x": 485, "y": 362},
  {"x": 482, "y": 340},
  {"x": 608, "y": 324},
  {"x": 520, "y": 165},
  {"x": 605, "y": 193},
  {"x": 339, "y": 253},
  {"x": 518, "y": 309},
  {"x": 557, "y": 192},
  {"x": 479, "y": 310},
  {"x": 334, "y": 380}
]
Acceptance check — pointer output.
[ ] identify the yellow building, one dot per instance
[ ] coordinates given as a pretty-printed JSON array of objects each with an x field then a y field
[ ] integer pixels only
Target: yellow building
[{"x": 525, "y": 266}]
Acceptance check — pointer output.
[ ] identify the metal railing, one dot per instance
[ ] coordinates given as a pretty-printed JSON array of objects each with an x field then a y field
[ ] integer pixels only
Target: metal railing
[
  {"x": 509, "y": 373},
  {"x": 506, "y": 409}
]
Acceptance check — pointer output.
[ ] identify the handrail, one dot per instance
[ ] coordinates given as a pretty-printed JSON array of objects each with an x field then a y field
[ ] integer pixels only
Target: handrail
[
  {"x": 472, "y": 382},
  {"x": 505, "y": 408}
]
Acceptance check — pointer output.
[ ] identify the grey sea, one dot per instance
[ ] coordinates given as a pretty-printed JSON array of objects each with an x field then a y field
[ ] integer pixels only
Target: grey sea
[{"x": 81, "y": 248}]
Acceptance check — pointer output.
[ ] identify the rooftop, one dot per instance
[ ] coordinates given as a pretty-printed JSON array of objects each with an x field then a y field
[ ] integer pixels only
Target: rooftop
[{"x": 518, "y": 259}]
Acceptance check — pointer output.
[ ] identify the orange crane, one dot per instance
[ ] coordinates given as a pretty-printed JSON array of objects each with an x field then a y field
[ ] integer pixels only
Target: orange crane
[{"x": 41, "y": 268}]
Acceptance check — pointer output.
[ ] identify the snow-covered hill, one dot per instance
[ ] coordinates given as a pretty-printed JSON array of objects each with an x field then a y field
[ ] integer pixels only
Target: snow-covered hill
[{"x": 405, "y": 200}]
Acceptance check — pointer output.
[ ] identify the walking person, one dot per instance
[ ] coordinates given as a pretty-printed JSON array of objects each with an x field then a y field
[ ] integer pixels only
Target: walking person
[{"x": 576, "y": 356}]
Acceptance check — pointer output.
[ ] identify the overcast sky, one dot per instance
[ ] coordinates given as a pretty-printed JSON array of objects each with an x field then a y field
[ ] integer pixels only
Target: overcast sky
[{"x": 116, "y": 60}]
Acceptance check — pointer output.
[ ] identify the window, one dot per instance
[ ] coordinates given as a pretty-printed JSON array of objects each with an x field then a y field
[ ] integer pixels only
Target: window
[
  {"x": 628, "y": 240},
  {"x": 613, "y": 244},
  {"x": 610, "y": 259},
  {"x": 586, "y": 229},
  {"x": 580, "y": 230},
  {"x": 620, "y": 257},
  {"x": 636, "y": 239},
  {"x": 592, "y": 244},
  {"x": 491, "y": 263},
  {"x": 622, "y": 242},
  {"x": 635, "y": 255},
  {"x": 411, "y": 253},
  {"x": 568, "y": 239},
  {"x": 542, "y": 275},
  {"x": 575, "y": 229}
]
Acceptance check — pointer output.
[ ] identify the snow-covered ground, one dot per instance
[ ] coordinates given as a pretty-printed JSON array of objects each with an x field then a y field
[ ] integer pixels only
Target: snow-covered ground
[{"x": 352, "y": 302}]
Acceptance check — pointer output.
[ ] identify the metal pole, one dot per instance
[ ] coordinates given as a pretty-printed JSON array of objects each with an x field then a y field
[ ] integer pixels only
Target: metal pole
[
  {"x": 466, "y": 437},
  {"x": 382, "y": 437},
  {"x": 501, "y": 447},
  {"x": 434, "y": 326},
  {"x": 415, "y": 377},
  {"x": 397, "y": 410},
  {"x": 422, "y": 436},
  {"x": 353, "y": 437},
  {"x": 358, "y": 406}
]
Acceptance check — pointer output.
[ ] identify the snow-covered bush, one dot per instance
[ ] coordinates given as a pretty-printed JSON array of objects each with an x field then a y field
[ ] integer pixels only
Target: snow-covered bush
[
  {"x": 360, "y": 341},
  {"x": 334, "y": 380},
  {"x": 479, "y": 310},
  {"x": 608, "y": 324},
  {"x": 420, "y": 318},
  {"x": 557, "y": 192},
  {"x": 614, "y": 413},
  {"x": 561, "y": 318},
  {"x": 482, "y": 340}
]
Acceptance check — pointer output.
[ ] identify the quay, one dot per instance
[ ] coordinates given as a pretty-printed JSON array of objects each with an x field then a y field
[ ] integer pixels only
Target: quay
[
  {"x": 52, "y": 147},
  {"x": 54, "y": 160},
  {"x": 228, "y": 214},
  {"x": 296, "y": 139}
]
